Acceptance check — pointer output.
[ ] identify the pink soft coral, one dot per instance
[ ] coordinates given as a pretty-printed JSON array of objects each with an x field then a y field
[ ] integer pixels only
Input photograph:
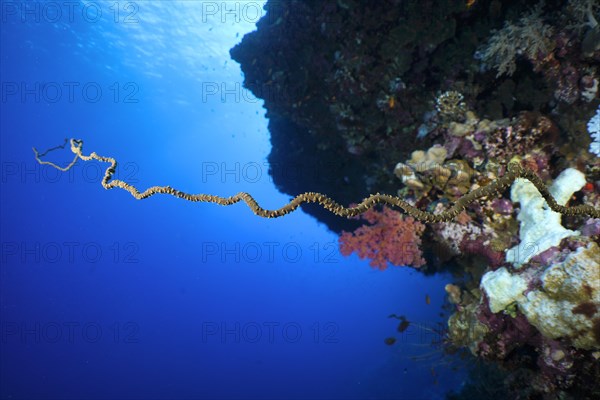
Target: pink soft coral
[{"x": 389, "y": 237}]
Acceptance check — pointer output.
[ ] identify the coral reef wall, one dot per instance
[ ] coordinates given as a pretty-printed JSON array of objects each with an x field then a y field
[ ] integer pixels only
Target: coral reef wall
[
  {"x": 347, "y": 82},
  {"x": 350, "y": 86},
  {"x": 431, "y": 100}
]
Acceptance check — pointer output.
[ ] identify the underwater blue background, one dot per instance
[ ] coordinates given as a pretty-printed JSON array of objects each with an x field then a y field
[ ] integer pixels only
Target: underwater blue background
[{"x": 103, "y": 296}]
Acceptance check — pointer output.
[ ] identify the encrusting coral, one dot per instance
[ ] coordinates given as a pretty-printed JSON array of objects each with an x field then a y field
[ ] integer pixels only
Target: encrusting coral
[{"x": 541, "y": 227}]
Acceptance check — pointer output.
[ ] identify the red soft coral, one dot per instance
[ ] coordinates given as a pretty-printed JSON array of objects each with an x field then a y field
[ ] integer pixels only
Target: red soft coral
[{"x": 389, "y": 237}]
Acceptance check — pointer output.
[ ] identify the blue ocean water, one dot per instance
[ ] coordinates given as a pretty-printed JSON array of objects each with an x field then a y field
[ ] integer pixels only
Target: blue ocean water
[{"x": 104, "y": 296}]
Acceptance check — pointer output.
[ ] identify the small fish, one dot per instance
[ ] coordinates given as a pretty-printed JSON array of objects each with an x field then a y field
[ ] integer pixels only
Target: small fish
[
  {"x": 427, "y": 299},
  {"x": 403, "y": 325},
  {"x": 390, "y": 341}
]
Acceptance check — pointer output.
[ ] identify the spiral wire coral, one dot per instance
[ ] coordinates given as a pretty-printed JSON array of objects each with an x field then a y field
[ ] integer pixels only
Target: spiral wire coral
[{"x": 514, "y": 171}]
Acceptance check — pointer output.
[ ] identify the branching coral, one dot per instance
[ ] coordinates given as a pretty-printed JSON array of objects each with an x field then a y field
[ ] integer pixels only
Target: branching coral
[
  {"x": 582, "y": 13},
  {"x": 529, "y": 36},
  {"x": 389, "y": 237}
]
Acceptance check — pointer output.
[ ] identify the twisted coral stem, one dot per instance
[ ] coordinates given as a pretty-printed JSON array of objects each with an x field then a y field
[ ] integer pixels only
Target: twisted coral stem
[{"x": 514, "y": 171}]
